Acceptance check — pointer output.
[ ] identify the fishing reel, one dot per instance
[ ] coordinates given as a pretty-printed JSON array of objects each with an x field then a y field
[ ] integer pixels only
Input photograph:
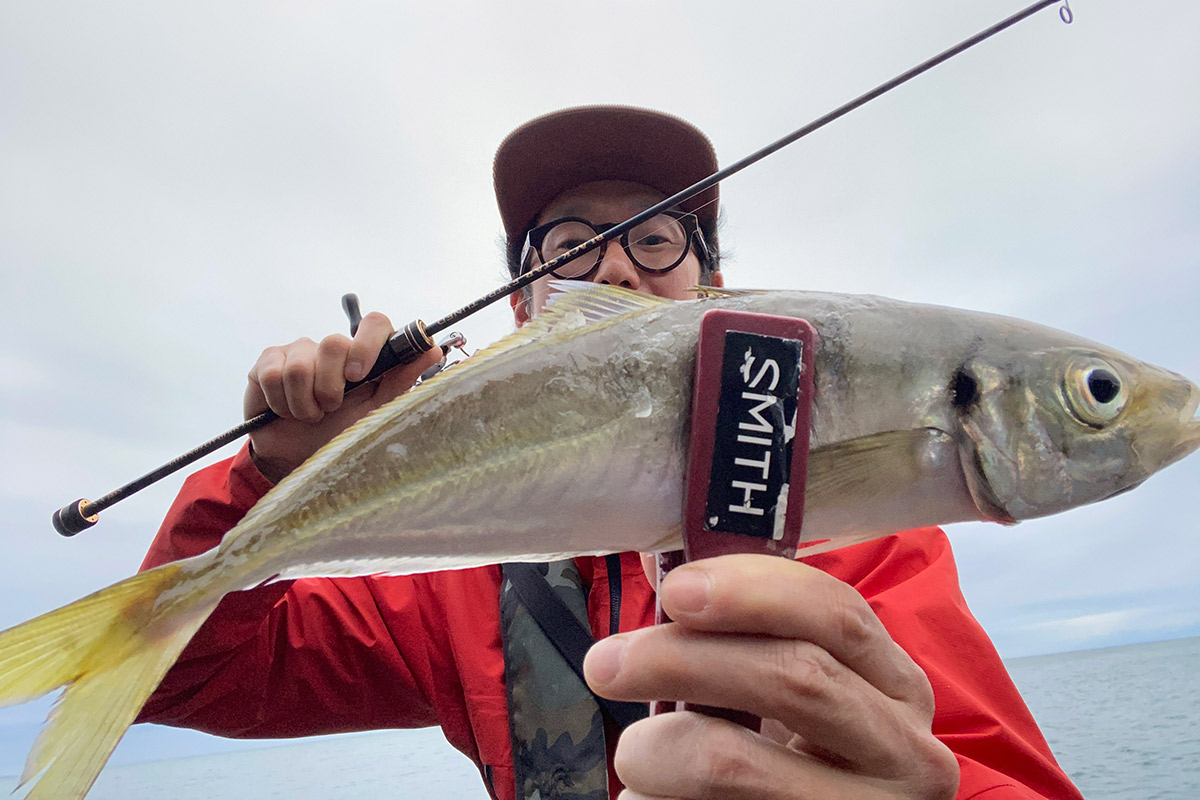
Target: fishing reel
[{"x": 454, "y": 341}]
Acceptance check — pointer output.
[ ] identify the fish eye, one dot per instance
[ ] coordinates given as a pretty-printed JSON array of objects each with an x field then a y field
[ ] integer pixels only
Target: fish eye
[{"x": 1094, "y": 392}]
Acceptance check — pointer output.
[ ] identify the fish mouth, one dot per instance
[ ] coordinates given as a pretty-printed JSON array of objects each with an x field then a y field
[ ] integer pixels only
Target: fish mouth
[
  {"x": 1123, "y": 490},
  {"x": 1189, "y": 441},
  {"x": 1189, "y": 437}
]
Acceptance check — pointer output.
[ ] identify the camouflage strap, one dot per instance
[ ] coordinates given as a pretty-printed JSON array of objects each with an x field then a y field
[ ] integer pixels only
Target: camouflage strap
[
  {"x": 570, "y": 637},
  {"x": 555, "y": 722}
]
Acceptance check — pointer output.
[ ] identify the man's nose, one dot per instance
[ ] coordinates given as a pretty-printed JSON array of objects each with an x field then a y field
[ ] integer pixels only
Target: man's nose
[{"x": 616, "y": 268}]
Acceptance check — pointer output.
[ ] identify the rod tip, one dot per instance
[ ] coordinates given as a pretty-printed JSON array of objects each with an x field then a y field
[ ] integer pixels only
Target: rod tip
[{"x": 71, "y": 519}]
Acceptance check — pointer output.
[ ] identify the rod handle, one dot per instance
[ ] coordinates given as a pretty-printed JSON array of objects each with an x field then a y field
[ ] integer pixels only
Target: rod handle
[{"x": 405, "y": 346}]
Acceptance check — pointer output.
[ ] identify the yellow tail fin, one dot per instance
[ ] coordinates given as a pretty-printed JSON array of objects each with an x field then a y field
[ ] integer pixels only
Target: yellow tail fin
[{"x": 109, "y": 650}]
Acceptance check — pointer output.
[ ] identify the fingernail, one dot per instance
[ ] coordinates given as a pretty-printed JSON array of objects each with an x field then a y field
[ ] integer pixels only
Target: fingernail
[
  {"x": 687, "y": 590},
  {"x": 353, "y": 370},
  {"x": 605, "y": 658}
]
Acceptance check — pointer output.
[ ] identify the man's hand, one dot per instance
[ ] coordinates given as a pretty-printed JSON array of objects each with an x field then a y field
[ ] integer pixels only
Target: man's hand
[
  {"x": 847, "y": 714},
  {"x": 303, "y": 383}
]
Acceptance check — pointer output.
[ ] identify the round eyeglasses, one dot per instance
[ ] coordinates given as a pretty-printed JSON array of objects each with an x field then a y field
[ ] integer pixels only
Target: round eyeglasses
[{"x": 658, "y": 245}]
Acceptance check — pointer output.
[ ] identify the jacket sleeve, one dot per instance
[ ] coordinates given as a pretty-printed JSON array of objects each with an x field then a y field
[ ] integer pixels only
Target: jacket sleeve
[
  {"x": 294, "y": 658},
  {"x": 912, "y": 583}
]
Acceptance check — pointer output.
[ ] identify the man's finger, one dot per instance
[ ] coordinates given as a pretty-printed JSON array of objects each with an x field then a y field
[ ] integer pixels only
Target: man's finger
[
  {"x": 786, "y": 599},
  {"x": 267, "y": 377},
  {"x": 712, "y": 758},
  {"x": 401, "y": 379},
  {"x": 373, "y": 333},
  {"x": 299, "y": 373},
  {"x": 329, "y": 382},
  {"x": 795, "y": 682}
]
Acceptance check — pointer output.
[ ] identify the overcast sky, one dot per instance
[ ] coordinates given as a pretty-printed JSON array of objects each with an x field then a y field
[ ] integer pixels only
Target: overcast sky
[{"x": 181, "y": 186}]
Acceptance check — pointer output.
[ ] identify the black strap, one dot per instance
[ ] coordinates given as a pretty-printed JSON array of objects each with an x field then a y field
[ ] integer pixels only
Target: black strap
[
  {"x": 568, "y": 635},
  {"x": 614, "y": 592}
]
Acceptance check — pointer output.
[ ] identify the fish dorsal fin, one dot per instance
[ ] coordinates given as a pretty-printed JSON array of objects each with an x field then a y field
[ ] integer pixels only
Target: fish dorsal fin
[
  {"x": 717, "y": 292},
  {"x": 571, "y": 306},
  {"x": 595, "y": 301}
]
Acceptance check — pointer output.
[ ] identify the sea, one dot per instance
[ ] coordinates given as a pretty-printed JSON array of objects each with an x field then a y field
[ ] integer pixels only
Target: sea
[{"x": 1124, "y": 722}]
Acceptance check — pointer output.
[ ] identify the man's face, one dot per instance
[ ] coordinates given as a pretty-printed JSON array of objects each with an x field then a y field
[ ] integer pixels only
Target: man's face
[{"x": 604, "y": 203}]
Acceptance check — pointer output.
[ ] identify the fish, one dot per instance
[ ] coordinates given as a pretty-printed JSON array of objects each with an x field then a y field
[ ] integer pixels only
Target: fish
[{"x": 569, "y": 438}]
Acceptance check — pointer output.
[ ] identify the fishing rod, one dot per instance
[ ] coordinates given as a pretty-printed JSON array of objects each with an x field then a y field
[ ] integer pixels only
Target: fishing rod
[{"x": 416, "y": 338}]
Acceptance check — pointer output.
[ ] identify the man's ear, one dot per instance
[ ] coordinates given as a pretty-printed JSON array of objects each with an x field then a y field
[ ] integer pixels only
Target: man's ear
[
  {"x": 717, "y": 280},
  {"x": 519, "y": 301}
]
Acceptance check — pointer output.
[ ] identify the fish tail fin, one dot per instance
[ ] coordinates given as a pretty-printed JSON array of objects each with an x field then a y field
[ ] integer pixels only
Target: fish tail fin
[{"x": 109, "y": 650}]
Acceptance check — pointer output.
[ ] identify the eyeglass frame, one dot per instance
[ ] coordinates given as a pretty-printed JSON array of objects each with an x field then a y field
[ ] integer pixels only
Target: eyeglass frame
[{"x": 691, "y": 228}]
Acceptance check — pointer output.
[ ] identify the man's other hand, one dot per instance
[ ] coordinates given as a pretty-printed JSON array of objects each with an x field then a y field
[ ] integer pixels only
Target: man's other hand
[
  {"x": 847, "y": 713},
  {"x": 303, "y": 382}
]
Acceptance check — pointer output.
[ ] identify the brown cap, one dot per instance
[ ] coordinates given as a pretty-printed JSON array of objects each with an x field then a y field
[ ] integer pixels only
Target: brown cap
[{"x": 551, "y": 154}]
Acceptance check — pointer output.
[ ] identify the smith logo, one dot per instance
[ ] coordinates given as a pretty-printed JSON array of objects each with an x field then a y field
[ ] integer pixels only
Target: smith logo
[{"x": 756, "y": 423}]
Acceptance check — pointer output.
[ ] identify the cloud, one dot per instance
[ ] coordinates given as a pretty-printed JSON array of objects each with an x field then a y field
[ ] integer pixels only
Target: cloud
[
  {"x": 1090, "y": 626},
  {"x": 1143, "y": 622},
  {"x": 1101, "y": 629},
  {"x": 19, "y": 375}
]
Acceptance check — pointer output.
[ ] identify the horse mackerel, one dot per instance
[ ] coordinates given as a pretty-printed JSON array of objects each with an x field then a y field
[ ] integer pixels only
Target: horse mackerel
[{"x": 568, "y": 438}]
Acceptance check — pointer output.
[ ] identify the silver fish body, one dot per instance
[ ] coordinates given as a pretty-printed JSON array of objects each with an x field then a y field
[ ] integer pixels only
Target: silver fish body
[
  {"x": 569, "y": 437},
  {"x": 574, "y": 441}
]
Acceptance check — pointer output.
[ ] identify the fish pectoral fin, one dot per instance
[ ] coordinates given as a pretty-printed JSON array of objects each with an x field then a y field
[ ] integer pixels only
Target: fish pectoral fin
[{"x": 880, "y": 463}]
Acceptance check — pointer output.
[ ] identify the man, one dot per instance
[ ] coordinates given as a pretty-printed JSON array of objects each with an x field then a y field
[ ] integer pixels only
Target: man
[{"x": 896, "y": 695}]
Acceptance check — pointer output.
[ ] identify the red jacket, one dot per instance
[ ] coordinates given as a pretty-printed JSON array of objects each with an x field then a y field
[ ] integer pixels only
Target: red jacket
[{"x": 328, "y": 655}]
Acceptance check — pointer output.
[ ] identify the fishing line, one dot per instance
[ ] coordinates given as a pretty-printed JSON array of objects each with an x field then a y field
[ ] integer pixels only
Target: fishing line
[{"x": 415, "y": 338}]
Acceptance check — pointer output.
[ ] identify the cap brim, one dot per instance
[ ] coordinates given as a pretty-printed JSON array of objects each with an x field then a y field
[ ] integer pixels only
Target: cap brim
[{"x": 551, "y": 154}]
